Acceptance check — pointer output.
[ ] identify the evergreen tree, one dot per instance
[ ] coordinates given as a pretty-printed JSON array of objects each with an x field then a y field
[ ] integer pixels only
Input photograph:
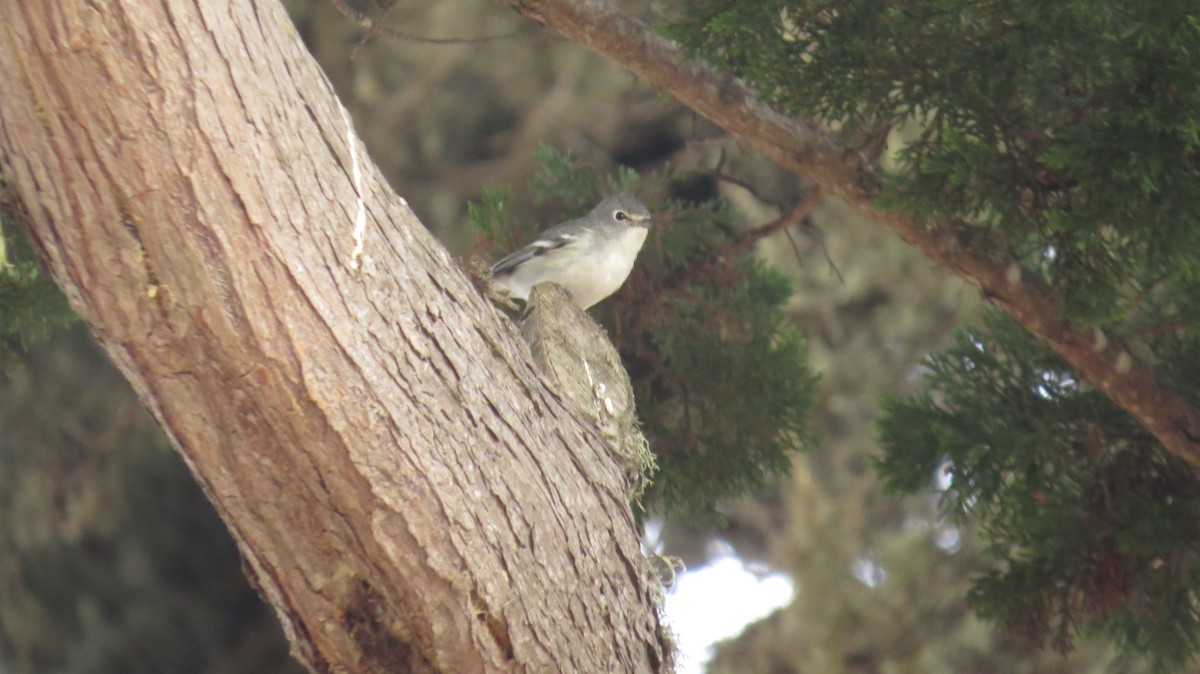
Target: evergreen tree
[{"x": 1068, "y": 131}]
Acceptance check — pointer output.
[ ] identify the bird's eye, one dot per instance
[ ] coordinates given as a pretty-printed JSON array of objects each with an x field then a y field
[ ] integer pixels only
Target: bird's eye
[{"x": 620, "y": 216}]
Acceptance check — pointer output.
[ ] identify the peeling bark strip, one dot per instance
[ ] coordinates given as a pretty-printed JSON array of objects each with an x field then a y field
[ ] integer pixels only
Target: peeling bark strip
[
  {"x": 405, "y": 490},
  {"x": 805, "y": 148}
]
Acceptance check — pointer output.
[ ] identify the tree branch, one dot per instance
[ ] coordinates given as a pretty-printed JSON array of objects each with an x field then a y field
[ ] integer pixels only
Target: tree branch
[
  {"x": 724, "y": 254},
  {"x": 811, "y": 151}
]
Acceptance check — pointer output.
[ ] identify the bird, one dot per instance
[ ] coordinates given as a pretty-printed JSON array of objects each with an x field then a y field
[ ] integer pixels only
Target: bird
[{"x": 590, "y": 256}]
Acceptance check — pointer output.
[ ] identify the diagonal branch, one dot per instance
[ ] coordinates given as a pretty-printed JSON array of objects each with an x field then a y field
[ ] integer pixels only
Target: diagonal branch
[
  {"x": 723, "y": 254},
  {"x": 804, "y": 147}
]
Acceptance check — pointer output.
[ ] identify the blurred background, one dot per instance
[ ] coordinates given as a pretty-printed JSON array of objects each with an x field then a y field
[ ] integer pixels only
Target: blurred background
[{"x": 112, "y": 561}]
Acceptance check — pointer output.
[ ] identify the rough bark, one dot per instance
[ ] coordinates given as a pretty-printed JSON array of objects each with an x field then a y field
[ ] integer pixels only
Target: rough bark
[
  {"x": 407, "y": 492},
  {"x": 805, "y": 148}
]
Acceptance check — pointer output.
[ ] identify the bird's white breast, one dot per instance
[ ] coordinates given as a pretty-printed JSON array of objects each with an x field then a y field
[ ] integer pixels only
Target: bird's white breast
[
  {"x": 604, "y": 271},
  {"x": 589, "y": 269}
]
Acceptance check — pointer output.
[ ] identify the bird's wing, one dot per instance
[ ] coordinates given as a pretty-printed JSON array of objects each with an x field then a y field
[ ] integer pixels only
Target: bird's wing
[{"x": 555, "y": 237}]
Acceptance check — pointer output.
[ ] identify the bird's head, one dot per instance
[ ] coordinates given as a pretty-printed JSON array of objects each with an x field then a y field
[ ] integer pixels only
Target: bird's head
[{"x": 623, "y": 209}]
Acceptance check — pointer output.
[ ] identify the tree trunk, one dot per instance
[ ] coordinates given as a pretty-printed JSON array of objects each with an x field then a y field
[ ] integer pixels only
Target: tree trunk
[{"x": 406, "y": 491}]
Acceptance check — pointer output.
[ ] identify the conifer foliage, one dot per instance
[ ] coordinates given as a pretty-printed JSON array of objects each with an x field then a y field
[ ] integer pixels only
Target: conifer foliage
[
  {"x": 1070, "y": 133},
  {"x": 31, "y": 305},
  {"x": 1092, "y": 522}
]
